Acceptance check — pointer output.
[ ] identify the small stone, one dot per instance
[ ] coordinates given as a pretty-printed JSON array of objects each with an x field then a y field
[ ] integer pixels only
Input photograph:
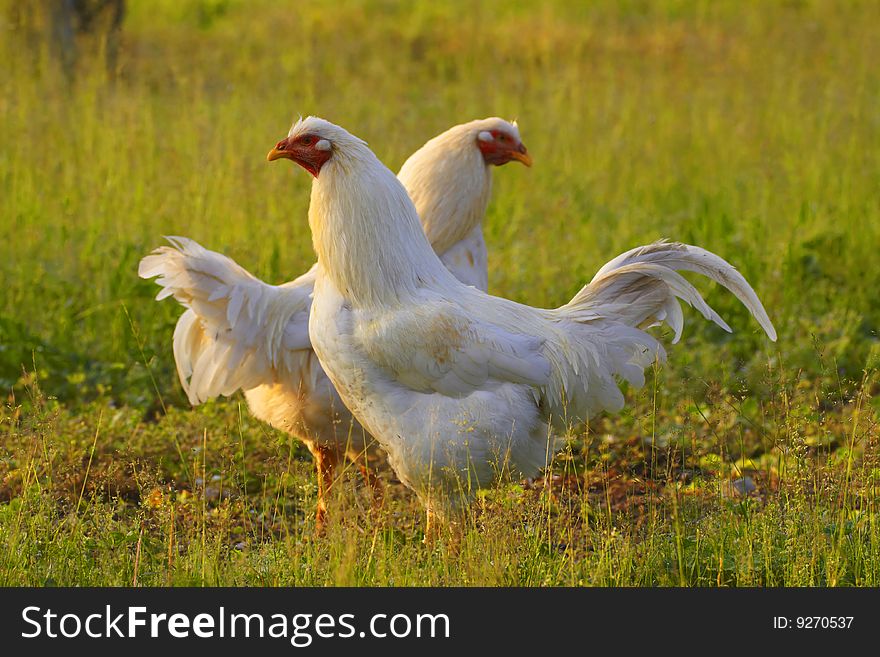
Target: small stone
[{"x": 744, "y": 486}]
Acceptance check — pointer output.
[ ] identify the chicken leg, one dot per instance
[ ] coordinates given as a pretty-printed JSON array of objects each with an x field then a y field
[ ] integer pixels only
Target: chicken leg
[{"x": 325, "y": 463}]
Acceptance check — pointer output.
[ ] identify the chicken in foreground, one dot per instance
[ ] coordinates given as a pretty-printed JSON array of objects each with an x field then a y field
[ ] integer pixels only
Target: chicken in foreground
[
  {"x": 460, "y": 387},
  {"x": 239, "y": 333}
]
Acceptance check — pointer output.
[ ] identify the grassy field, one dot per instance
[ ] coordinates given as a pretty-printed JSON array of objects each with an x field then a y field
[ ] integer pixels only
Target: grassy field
[{"x": 751, "y": 129}]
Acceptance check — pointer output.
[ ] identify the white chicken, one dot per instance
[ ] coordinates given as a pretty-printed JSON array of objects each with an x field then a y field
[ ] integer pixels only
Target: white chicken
[
  {"x": 239, "y": 333},
  {"x": 460, "y": 387}
]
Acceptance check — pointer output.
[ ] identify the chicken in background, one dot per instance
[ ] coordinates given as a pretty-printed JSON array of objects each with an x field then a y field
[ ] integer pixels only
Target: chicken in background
[
  {"x": 460, "y": 387},
  {"x": 239, "y": 333}
]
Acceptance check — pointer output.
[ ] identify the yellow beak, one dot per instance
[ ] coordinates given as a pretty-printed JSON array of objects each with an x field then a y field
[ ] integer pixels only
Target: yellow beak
[
  {"x": 522, "y": 156},
  {"x": 280, "y": 150}
]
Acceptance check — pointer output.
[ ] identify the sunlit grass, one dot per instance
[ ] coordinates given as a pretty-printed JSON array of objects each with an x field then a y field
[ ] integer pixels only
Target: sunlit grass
[{"x": 751, "y": 129}]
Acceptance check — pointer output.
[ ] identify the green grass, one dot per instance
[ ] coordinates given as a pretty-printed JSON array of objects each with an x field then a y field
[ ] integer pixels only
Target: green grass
[{"x": 751, "y": 129}]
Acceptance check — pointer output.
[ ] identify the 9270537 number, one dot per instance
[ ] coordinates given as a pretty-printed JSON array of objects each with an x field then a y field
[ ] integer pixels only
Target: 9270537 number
[{"x": 823, "y": 622}]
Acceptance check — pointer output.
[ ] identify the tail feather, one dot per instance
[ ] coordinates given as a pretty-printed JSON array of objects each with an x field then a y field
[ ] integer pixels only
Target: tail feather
[
  {"x": 601, "y": 329},
  {"x": 642, "y": 287},
  {"x": 237, "y": 332}
]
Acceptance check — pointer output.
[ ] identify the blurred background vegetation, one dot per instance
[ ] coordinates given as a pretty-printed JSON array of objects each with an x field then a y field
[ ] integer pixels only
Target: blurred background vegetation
[
  {"x": 750, "y": 129},
  {"x": 751, "y": 133}
]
